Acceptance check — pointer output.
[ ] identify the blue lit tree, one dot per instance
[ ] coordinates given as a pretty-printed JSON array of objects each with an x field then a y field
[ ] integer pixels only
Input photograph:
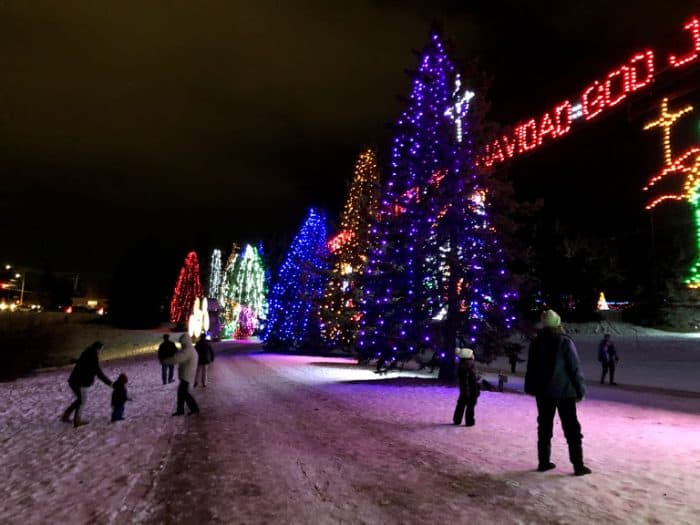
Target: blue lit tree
[
  {"x": 294, "y": 300},
  {"x": 436, "y": 264}
]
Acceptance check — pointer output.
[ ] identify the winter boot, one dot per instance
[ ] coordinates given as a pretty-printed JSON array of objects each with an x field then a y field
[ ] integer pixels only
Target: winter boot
[
  {"x": 79, "y": 422},
  {"x": 544, "y": 451},
  {"x": 66, "y": 415},
  {"x": 576, "y": 458}
]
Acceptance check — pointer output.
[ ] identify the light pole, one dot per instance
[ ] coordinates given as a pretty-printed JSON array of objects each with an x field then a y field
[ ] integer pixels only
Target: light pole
[{"x": 21, "y": 292}]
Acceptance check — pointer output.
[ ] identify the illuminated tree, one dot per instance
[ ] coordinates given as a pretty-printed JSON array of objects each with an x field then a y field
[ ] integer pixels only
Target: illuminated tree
[
  {"x": 294, "y": 299},
  {"x": 436, "y": 268},
  {"x": 340, "y": 308},
  {"x": 244, "y": 287},
  {"x": 215, "y": 274},
  {"x": 687, "y": 165},
  {"x": 187, "y": 289}
]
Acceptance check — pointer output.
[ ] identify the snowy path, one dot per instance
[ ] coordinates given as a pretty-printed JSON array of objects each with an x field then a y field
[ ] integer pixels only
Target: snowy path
[{"x": 294, "y": 439}]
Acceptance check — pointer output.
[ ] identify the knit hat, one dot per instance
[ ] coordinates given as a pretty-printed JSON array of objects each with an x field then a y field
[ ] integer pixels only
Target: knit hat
[
  {"x": 550, "y": 319},
  {"x": 465, "y": 353}
]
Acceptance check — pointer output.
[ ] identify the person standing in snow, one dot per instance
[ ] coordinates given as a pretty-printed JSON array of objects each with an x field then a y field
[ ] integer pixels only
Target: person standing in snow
[
  {"x": 166, "y": 349},
  {"x": 119, "y": 397},
  {"x": 468, "y": 387},
  {"x": 186, "y": 360},
  {"x": 553, "y": 376},
  {"x": 205, "y": 356},
  {"x": 607, "y": 355},
  {"x": 81, "y": 378}
]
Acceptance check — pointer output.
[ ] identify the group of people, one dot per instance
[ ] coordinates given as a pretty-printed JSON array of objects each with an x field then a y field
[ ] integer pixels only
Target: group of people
[
  {"x": 554, "y": 378},
  {"x": 192, "y": 362}
]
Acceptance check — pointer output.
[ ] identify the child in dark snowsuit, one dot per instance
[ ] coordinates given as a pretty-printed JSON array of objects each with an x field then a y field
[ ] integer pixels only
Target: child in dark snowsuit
[
  {"x": 119, "y": 398},
  {"x": 468, "y": 387}
]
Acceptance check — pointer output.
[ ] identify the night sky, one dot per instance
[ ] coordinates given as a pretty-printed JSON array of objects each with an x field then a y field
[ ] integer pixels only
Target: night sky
[{"x": 202, "y": 123}]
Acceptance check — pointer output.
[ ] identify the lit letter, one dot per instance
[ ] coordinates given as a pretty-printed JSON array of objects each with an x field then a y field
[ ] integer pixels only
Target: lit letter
[
  {"x": 622, "y": 76},
  {"x": 509, "y": 144},
  {"x": 591, "y": 107},
  {"x": 528, "y": 128},
  {"x": 633, "y": 78},
  {"x": 546, "y": 128},
  {"x": 562, "y": 127},
  {"x": 694, "y": 27}
]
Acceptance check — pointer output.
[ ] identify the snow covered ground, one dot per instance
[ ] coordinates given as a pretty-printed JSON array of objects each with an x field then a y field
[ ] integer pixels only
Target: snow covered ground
[{"x": 297, "y": 439}]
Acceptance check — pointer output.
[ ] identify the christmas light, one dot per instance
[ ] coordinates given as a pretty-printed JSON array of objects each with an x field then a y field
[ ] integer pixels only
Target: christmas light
[
  {"x": 428, "y": 236},
  {"x": 637, "y": 73},
  {"x": 294, "y": 298},
  {"x": 244, "y": 286},
  {"x": 460, "y": 106},
  {"x": 215, "y": 274},
  {"x": 187, "y": 289},
  {"x": 687, "y": 164},
  {"x": 339, "y": 313},
  {"x": 693, "y": 26}
]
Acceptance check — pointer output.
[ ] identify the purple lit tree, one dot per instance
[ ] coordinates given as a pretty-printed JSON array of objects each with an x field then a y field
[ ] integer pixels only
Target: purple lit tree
[
  {"x": 294, "y": 300},
  {"x": 436, "y": 267}
]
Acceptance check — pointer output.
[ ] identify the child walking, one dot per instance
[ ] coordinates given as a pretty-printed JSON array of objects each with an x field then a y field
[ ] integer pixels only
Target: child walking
[
  {"x": 468, "y": 387},
  {"x": 119, "y": 398}
]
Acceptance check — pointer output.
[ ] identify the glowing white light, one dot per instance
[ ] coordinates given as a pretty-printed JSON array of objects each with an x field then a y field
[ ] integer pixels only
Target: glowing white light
[
  {"x": 576, "y": 111},
  {"x": 460, "y": 108}
]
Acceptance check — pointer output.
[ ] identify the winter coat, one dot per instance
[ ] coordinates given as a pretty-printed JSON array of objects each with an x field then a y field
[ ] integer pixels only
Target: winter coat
[
  {"x": 85, "y": 370},
  {"x": 607, "y": 352},
  {"x": 166, "y": 349},
  {"x": 205, "y": 352},
  {"x": 119, "y": 394},
  {"x": 468, "y": 381},
  {"x": 553, "y": 368},
  {"x": 185, "y": 359}
]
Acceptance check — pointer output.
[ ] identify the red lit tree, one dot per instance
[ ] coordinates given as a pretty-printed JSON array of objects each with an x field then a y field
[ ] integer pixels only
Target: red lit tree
[{"x": 187, "y": 289}]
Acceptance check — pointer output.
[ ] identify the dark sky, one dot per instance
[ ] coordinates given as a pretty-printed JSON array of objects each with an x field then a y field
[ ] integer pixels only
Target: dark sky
[{"x": 205, "y": 122}]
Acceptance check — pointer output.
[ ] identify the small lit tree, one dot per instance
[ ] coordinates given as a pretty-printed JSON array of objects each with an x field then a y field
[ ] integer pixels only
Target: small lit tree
[{"x": 187, "y": 289}]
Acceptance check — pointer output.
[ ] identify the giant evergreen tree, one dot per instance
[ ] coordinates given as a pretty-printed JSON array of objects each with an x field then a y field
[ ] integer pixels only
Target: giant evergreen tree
[
  {"x": 246, "y": 288},
  {"x": 437, "y": 270},
  {"x": 340, "y": 308},
  {"x": 215, "y": 274},
  {"x": 187, "y": 289},
  {"x": 295, "y": 296}
]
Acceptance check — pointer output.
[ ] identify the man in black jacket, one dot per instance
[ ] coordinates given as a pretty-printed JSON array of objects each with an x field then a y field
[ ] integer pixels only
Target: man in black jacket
[
  {"x": 82, "y": 377},
  {"x": 554, "y": 377},
  {"x": 166, "y": 350}
]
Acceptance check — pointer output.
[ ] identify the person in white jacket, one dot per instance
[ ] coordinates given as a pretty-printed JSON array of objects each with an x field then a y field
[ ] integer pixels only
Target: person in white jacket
[{"x": 186, "y": 361}]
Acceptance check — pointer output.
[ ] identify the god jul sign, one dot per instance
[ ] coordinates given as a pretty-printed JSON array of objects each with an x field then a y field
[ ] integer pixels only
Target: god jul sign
[{"x": 634, "y": 75}]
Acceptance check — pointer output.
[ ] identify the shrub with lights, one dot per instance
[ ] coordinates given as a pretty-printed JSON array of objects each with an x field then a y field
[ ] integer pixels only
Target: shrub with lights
[
  {"x": 244, "y": 289},
  {"x": 187, "y": 289},
  {"x": 295, "y": 297},
  {"x": 340, "y": 308},
  {"x": 436, "y": 267}
]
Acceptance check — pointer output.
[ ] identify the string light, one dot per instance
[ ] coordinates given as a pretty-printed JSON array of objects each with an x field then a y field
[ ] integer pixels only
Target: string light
[
  {"x": 339, "y": 313},
  {"x": 187, "y": 289},
  {"x": 686, "y": 164},
  {"x": 639, "y": 72},
  {"x": 245, "y": 288},
  {"x": 215, "y": 274},
  {"x": 299, "y": 285}
]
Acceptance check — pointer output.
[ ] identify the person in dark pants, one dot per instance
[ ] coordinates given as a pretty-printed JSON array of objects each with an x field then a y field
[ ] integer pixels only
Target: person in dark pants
[
  {"x": 554, "y": 377},
  {"x": 205, "y": 356},
  {"x": 607, "y": 355},
  {"x": 81, "y": 378},
  {"x": 166, "y": 349},
  {"x": 186, "y": 361},
  {"x": 468, "y": 387},
  {"x": 119, "y": 397}
]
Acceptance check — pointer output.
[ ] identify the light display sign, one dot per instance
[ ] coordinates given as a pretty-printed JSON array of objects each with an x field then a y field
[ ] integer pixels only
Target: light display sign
[{"x": 635, "y": 74}]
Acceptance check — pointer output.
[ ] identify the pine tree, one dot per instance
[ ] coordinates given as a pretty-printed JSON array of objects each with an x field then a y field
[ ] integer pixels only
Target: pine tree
[
  {"x": 215, "y": 274},
  {"x": 187, "y": 289},
  {"x": 398, "y": 284},
  {"x": 438, "y": 270},
  {"x": 295, "y": 296},
  {"x": 228, "y": 310},
  {"x": 340, "y": 308},
  {"x": 246, "y": 288}
]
